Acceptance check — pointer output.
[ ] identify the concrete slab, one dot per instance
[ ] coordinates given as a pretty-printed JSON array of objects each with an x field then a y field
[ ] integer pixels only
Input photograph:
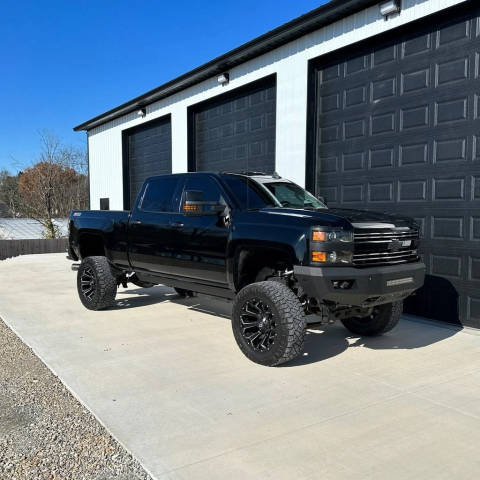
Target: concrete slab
[{"x": 165, "y": 376}]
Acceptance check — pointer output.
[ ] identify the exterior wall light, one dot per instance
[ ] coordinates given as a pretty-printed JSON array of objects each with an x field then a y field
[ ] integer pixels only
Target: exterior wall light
[
  {"x": 223, "y": 79},
  {"x": 390, "y": 8},
  {"x": 142, "y": 112}
]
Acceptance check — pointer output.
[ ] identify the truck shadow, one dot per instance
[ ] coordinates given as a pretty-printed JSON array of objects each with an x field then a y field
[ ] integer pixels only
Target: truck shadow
[
  {"x": 138, "y": 297},
  {"x": 335, "y": 339},
  {"x": 320, "y": 344},
  {"x": 141, "y": 297}
]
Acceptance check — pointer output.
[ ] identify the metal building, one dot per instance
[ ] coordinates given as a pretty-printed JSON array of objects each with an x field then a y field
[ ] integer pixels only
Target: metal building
[{"x": 371, "y": 104}]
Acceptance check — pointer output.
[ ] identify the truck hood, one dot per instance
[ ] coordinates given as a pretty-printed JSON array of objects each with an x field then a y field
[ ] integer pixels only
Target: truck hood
[
  {"x": 339, "y": 216},
  {"x": 367, "y": 216}
]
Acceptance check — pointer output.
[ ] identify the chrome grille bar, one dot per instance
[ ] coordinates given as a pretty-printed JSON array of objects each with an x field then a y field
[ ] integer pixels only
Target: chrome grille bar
[{"x": 384, "y": 246}]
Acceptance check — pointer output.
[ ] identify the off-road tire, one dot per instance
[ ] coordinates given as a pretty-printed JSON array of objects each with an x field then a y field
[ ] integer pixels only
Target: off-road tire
[
  {"x": 184, "y": 293},
  {"x": 290, "y": 322},
  {"x": 383, "y": 319},
  {"x": 140, "y": 283},
  {"x": 105, "y": 283}
]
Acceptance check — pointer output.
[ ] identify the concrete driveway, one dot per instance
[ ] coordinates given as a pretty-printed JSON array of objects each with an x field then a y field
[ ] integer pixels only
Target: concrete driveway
[{"x": 165, "y": 376}]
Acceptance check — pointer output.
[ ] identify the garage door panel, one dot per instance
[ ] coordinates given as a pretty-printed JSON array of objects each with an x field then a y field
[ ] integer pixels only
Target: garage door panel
[
  {"x": 398, "y": 122},
  {"x": 236, "y": 132},
  {"x": 148, "y": 151}
]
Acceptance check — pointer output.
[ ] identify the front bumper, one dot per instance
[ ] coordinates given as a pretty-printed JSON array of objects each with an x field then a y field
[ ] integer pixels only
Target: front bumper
[{"x": 368, "y": 286}]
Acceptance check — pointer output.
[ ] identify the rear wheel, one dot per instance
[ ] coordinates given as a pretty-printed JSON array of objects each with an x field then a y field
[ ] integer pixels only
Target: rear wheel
[
  {"x": 383, "y": 319},
  {"x": 96, "y": 285},
  {"x": 268, "y": 323}
]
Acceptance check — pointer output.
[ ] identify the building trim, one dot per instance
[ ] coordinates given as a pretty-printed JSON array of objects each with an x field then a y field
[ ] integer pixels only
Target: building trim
[{"x": 311, "y": 21}]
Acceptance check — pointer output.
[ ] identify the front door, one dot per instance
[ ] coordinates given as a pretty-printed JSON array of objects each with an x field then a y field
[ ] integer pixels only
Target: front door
[{"x": 203, "y": 239}]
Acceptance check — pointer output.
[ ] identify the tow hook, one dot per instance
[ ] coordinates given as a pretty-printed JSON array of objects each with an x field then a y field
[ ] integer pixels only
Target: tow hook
[{"x": 75, "y": 266}]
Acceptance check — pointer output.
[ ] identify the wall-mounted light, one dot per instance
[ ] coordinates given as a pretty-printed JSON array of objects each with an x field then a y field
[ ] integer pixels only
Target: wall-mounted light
[
  {"x": 223, "y": 79},
  {"x": 142, "y": 112},
  {"x": 390, "y": 8}
]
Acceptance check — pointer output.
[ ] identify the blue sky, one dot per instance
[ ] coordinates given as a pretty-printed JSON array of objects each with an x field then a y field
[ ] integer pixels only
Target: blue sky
[{"x": 65, "y": 61}]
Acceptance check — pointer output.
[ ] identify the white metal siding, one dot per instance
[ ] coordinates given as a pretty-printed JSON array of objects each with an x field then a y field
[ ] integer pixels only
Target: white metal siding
[{"x": 289, "y": 62}]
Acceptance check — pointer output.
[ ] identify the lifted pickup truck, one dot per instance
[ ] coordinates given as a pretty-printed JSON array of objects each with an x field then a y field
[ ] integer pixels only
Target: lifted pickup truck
[{"x": 262, "y": 241}]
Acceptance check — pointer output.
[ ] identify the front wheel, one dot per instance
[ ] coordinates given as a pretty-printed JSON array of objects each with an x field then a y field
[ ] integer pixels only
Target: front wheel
[
  {"x": 382, "y": 319},
  {"x": 268, "y": 323},
  {"x": 96, "y": 285}
]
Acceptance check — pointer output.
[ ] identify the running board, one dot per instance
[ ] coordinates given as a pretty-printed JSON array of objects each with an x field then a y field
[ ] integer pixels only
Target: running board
[{"x": 214, "y": 291}]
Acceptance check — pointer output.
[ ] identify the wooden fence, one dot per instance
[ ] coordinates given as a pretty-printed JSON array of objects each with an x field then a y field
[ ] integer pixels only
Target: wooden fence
[{"x": 14, "y": 248}]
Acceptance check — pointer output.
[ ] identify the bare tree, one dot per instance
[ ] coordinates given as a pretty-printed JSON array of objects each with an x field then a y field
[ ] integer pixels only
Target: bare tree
[
  {"x": 9, "y": 193},
  {"x": 54, "y": 185}
]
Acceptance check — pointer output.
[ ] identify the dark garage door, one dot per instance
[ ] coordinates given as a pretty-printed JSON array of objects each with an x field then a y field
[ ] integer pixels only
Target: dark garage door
[
  {"x": 397, "y": 129},
  {"x": 235, "y": 132},
  {"x": 147, "y": 150}
]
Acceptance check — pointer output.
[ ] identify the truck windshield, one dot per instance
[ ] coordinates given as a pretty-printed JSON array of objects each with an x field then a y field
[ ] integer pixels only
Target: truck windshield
[
  {"x": 291, "y": 195},
  {"x": 249, "y": 194},
  {"x": 254, "y": 195}
]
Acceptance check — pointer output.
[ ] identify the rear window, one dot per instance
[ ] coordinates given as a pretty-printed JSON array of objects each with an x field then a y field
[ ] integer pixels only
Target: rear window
[{"x": 159, "y": 193}]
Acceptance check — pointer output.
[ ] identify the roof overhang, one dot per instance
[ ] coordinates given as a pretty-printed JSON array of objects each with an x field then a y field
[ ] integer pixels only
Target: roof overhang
[{"x": 311, "y": 21}]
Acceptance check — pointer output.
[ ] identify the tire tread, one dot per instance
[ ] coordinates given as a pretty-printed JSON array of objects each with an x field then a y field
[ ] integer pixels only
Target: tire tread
[
  {"x": 106, "y": 283},
  {"x": 385, "y": 321},
  {"x": 290, "y": 312}
]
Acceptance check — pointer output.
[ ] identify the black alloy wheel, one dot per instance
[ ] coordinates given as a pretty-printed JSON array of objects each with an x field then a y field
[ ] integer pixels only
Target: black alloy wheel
[
  {"x": 88, "y": 283},
  {"x": 268, "y": 323},
  {"x": 96, "y": 284},
  {"x": 258, "y": 325}
]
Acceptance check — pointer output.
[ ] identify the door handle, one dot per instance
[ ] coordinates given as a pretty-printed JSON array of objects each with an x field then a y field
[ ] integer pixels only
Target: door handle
[
  {"x": 137, "y": 222},
  {"x": 177, "y": 224}
]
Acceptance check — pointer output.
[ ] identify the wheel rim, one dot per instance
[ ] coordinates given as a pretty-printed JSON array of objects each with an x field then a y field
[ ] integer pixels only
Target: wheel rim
[
  {"x": 88, "y": 283},
  {"x": 373, "y": 314},
  {"x": 258, "y": 325}
]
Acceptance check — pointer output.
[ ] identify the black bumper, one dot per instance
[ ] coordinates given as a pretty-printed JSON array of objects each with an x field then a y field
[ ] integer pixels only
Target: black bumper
[{"x": 362, "y": 286}]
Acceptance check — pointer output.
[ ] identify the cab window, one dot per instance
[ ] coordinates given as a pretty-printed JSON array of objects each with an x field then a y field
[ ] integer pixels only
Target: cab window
[
  {"x": 207, "y": 189},
  {"x": 159, "y": 195}
]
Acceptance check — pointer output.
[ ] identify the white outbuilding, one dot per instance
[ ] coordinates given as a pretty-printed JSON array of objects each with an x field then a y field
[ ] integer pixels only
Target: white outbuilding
[{"x": 373, "y": 105}]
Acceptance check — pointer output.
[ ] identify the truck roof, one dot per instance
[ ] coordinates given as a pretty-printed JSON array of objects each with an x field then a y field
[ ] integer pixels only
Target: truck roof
[{"x": 260, "y": 177}]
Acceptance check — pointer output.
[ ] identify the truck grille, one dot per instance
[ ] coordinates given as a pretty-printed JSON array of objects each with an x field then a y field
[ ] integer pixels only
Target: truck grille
[{"x": 385, "y": 246}]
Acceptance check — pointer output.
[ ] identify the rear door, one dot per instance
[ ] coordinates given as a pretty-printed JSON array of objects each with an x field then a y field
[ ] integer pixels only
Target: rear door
[{"x": 152, "y": 229}]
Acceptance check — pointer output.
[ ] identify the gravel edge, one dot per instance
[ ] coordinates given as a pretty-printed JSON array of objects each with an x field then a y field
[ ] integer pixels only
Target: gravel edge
[{"x": 45, "y": 432}]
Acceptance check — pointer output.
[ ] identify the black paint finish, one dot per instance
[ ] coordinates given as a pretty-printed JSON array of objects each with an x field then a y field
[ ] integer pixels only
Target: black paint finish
[
  {"x": 212, "y": 251},
  {"x": 236, "y": 131},
  {"x": 396, "y": 128},
  {"x": 147, "y": 151}
]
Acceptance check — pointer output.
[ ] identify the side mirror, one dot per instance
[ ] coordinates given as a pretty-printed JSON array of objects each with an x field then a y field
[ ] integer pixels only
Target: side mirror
[{"x": 194, "y": 206}]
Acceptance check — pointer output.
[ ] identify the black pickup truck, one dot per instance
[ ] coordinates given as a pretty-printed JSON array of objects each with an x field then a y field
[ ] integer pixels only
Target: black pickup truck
[{"x": 273, "y": 248}]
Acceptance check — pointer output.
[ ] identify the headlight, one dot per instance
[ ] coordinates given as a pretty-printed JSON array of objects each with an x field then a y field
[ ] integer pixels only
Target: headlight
[
  {"x": 331, "y": 235},
  {"x": 331, "y": 246}
]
